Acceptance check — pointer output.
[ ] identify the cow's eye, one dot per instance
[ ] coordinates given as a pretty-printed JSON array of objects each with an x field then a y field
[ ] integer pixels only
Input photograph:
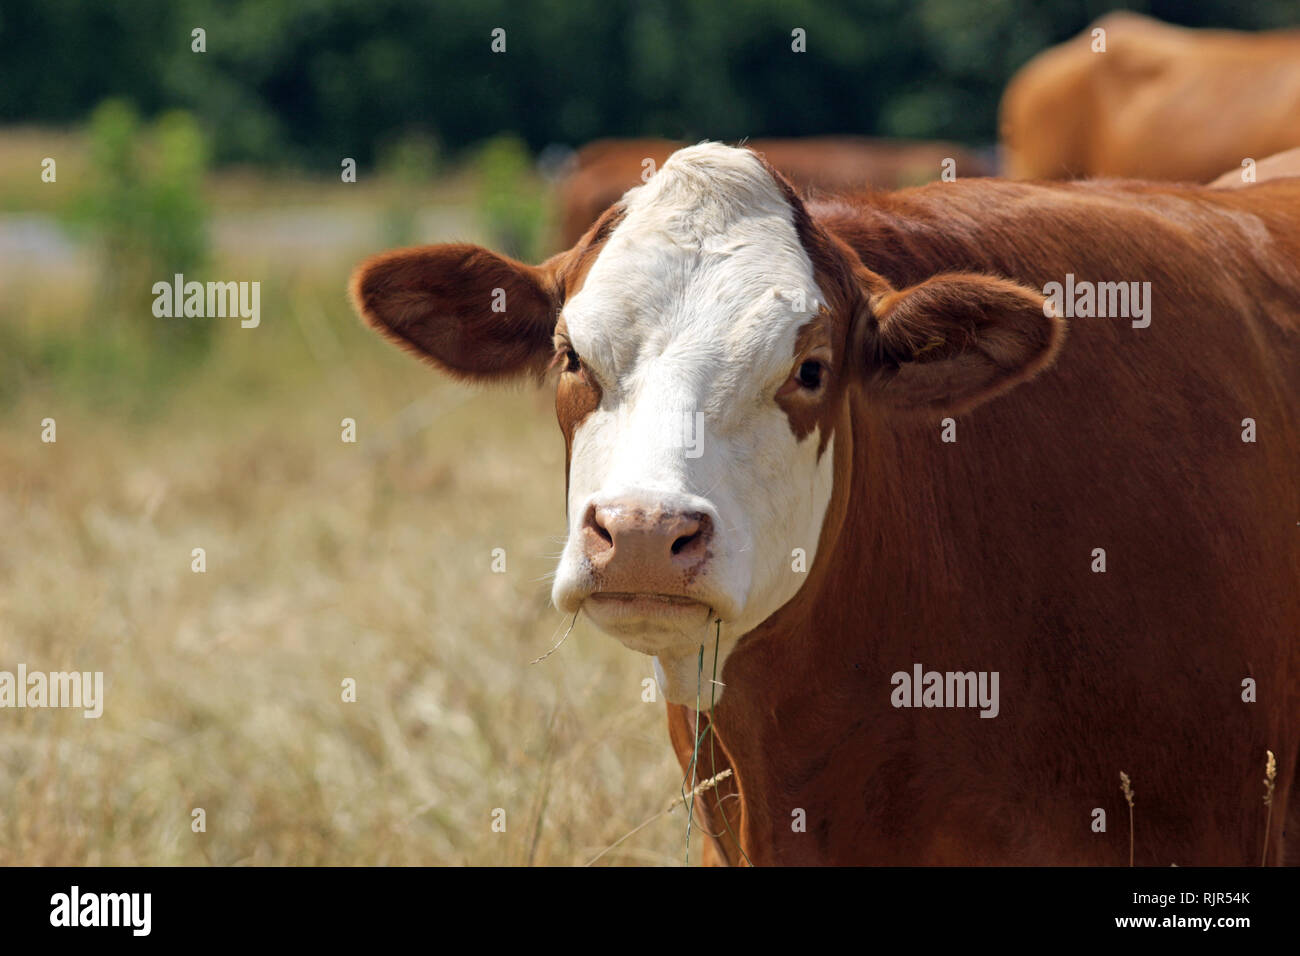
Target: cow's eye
[
  {"x": 810, "y": 374},
  {"x": 566, "y": 358}
]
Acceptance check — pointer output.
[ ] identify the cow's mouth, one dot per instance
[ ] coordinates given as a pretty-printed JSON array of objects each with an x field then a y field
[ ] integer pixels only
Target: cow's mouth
[
  {"x": 628, "y": 604},
  {"x": 643, "y": 619},
  {"x": 625, "y": 597}
]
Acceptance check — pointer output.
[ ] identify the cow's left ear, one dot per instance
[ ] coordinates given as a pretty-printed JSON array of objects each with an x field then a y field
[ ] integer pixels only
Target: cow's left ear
[{"x": 956, "y": 340}]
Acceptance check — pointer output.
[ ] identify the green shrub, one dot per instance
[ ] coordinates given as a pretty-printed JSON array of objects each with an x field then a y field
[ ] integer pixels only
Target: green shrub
[
  {"x": 513, "y": 203},
  {"x": 143, "y": 210},
  {"x": 408, "y": 165}
]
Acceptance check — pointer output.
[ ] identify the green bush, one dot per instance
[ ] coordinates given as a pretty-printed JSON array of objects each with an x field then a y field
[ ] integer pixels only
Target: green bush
[
  {"x": 143, "y": 211},
  {"x": 407, "y": 164},
  {"x": 512, "y": 201}
]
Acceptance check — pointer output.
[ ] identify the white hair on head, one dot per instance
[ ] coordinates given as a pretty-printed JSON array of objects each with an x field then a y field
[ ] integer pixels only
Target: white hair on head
[{"x": 704, "y": 189}]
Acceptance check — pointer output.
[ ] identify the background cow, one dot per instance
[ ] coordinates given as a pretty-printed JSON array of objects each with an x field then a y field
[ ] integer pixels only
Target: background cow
[
  {"x": 1159, "y": 102},
  {"x": 824, "y": 349},
  {"x": 1271, "y": 167},
  {"x": 604, "y": 170}
]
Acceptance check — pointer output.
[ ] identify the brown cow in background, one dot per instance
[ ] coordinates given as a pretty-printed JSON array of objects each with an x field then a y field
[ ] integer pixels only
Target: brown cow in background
[
  {"x": 605, "y": 169},
  {"x": 1274, "y": 167},
  {"x": 1161, "y": 102}
]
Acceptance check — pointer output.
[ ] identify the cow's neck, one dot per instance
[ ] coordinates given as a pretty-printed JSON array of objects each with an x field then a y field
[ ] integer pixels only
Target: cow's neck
[
  {"x": 790, "y": 720},
  {"x": 793, "y": 721},
  {"x": 805, "y": 720}
]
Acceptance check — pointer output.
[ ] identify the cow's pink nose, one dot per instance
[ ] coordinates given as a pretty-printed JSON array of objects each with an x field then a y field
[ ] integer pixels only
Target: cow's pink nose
[{"x": 628, "y": 540}]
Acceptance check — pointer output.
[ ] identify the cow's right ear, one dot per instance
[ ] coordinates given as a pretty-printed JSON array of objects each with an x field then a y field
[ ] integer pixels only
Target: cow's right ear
[{"x": 471, "y": 312}]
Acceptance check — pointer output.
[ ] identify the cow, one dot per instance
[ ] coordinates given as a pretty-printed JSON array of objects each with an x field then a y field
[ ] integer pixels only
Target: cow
[
  {"x": 1158, "y": 102},
  {"x": 1271, "y": 167},
  {"x": 605, "y": 169},
  {"x": 818, "y": 451}
]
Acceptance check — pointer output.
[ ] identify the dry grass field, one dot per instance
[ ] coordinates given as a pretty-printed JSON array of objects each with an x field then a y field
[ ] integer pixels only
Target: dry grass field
[{"x": 325, "y": 561}]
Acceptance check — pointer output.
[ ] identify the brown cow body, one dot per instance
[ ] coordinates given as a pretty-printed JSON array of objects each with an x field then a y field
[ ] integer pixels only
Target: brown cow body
[
  {"x": 978, "y": 555},
  {"x": 606, "y": 169},
  {"x": 1161, "y": 102},
  {"x": 975, "y": 555}
]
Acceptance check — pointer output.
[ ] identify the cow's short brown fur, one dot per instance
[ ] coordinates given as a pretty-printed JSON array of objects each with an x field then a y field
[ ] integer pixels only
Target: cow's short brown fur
[
  {"x": 977, "y": 555},
  {"x": 1161, "y": 102}
]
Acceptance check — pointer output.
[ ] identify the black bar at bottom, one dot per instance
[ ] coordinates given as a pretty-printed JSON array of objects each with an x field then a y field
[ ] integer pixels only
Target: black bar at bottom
[{"x": 334, "y": 905}]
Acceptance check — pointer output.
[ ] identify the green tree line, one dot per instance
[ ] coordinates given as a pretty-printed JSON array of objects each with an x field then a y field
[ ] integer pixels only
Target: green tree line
[{"x": 291, "y": 82}]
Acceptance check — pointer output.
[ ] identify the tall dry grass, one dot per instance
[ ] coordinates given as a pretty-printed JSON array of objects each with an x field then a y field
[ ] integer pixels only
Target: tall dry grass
[{"x": 325, "y": 561}]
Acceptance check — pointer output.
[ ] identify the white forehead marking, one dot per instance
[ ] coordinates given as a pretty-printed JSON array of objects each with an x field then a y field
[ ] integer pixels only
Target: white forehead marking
[{"x": 705, "y": 273}]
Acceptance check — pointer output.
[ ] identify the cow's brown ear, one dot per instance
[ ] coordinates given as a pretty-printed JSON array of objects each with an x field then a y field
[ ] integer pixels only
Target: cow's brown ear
[
  {"x": 957, "y": 340},
  {"x": 471, "y": 312}
]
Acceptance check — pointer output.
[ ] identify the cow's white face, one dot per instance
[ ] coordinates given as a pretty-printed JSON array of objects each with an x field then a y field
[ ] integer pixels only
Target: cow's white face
[
  {"x": 688, "y": 326},
  {"x": 704, "y": 362}
]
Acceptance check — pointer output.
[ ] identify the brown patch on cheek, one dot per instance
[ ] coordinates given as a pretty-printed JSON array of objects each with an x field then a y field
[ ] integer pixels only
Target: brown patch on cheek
[
  {"x": 817, "y": 339},
  {"x": 832, "y": 264},
  {"x": 576, "y": 397}
]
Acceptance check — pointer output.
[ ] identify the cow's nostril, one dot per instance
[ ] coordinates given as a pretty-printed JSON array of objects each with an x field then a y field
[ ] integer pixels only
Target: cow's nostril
[
  {"x": 684, "y": 542},
  {"x": 693, "y": 536},
  {"x": 596, "y": 522}
]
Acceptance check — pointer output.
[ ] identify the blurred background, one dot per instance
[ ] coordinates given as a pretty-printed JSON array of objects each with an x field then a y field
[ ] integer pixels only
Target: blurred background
[{"x": 373, "y": 561}]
